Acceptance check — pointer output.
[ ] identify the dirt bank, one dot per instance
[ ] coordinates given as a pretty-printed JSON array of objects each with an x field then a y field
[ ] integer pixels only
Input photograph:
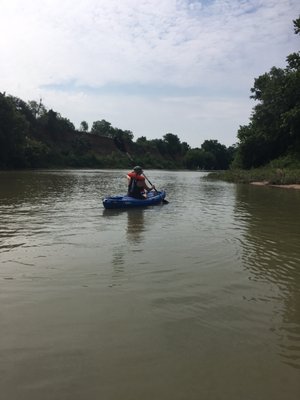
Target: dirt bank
[{"x": 265, "y": 183}]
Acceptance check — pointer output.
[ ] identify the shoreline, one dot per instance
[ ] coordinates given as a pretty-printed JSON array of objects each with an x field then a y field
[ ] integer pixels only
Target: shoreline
[{"x": 266, "y": 183}]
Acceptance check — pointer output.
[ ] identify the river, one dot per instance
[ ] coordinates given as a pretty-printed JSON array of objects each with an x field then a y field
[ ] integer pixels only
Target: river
[{"x": 195, "y": 299}]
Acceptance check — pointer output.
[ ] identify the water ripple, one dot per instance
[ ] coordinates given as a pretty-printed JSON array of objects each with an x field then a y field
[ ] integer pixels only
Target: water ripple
[{"x": 219, "y": 261}]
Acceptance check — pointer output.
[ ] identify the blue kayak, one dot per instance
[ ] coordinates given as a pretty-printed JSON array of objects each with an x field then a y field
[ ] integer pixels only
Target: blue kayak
[{"x": 125, "y": 201}]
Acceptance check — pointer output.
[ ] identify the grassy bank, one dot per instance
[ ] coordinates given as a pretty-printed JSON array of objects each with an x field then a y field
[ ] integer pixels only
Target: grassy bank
[{"x": 272, "y": 176}]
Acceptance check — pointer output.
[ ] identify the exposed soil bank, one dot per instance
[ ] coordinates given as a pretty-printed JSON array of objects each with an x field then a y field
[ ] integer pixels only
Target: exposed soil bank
[{"x": 266, "y": 183}]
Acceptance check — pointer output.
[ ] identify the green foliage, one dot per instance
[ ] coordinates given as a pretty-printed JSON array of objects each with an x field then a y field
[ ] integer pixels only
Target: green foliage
[
  {"x": 32, "y": 137},
  {"x": 219, "y": 154},
  {"x": 296, "y": 23},
  {"x": 290, "y": 161},
  {"x": 81, "y": 145},
  {"x": 13, "y": 131},
  {"x": 141, "y": 140},
  {"x": 84, "y": 127},
  {"x": 184, "y": 148},
  {"x": 36, "y": 154},
  {"x": 119, "y": 134},
  {"x": 172, "y": 144},
  {"x": 266, "y": 175},
  {"x": 102, "y": 128},
  {"x": 161, "y": 146},
  {"x": 121, "y": 137},
  {"x": 22, "y": 108},
  {"x": 212, "y": 155},
  {"x": 274, "y": 128},
  {"x": 37, "y": 109},
  {"x": 55, "y": 125},
  {"x": 193, "y": 159}
]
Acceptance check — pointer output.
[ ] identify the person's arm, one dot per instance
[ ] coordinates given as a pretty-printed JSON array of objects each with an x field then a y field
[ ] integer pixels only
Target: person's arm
[
  {"x": 142, "y": 184},
  {"x": 149, "y": 188}
]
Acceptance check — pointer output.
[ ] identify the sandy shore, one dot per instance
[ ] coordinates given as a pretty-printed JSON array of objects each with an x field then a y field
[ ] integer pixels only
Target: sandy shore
[{"x": 266, "y": 183}]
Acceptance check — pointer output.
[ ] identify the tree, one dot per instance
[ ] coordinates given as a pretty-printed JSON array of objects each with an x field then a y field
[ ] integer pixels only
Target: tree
[
  {"x": 194, "y": 159},
  {"x": 84, "y": 127},
  {"x": 119, "y": 134},
  {"x": 274, "y": 128},
  {"x": 184, "y": 148},
  {"x": 65, "y": 125},
  {"x": 36, "y": 108},
  {"x": 161, "y": 146},
  {"x": 296, "y": 23},
  {"x": 127, "y": 135},
  {"x": 219, "y": 153},
  {"x": 22, "y": 108},
  {"x": 173, "y": 144},
  {"x": 141, "y": 140},
  {"x": 199, "y": 159},
  {"x": 55, "y": 125},
  {"x": 102, "y": 128},
  {"x": 13, "y": 130}
]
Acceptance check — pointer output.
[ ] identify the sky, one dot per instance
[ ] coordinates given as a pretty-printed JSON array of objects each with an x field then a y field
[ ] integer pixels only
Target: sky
[{"x": 149, "y": 66}]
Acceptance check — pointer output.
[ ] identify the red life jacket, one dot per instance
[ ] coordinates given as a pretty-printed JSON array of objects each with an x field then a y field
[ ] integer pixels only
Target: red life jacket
[{"x": 133, "y": 189}]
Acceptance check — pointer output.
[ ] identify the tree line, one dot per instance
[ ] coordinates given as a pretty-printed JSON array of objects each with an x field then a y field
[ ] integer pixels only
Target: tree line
[
  {"x": 33, "y": 137},
  {"x": 274, "y": 129}
]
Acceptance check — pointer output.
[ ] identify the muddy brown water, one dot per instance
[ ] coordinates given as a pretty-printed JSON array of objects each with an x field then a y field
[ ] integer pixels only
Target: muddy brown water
[{"x": 197, "y": 299}]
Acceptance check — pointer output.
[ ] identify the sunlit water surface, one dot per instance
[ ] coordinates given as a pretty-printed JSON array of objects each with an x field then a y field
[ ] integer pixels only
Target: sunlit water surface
[{"x": 196, "y": 299}]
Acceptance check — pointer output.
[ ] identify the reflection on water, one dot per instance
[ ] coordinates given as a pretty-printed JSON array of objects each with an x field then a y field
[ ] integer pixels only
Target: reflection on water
[
  {"x": 135, "y": 225},
  {"x": 271, "y": 252},
  {"x": 197, "y": 299},
  {"x": 134, "y": 235},
  {"x": 135, "y": 222}
]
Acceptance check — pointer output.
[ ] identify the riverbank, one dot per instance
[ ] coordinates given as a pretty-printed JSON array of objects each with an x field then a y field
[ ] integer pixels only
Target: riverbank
[
  {"x": 265, "y": 183},
  {"x": 285, "y": 178}
]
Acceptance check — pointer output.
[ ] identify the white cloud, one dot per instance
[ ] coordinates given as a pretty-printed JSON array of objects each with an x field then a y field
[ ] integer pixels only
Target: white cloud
[{"x": 216, "y": 48}]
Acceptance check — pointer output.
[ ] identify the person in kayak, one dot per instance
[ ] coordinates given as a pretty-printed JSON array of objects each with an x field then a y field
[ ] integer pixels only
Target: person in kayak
[{"x": 137, "y": 186}]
